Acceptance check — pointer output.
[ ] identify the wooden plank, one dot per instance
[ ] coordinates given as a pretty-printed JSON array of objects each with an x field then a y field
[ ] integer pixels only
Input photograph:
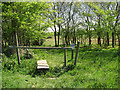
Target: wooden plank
[
  {"x": 42, "y": 64},
  {"x": 24, "y": 47},
  {"x": 41, "y": 61},
  {"x": 39, "y": 67}
]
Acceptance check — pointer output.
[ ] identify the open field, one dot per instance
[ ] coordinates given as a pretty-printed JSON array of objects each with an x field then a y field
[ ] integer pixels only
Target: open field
[{"x": 51, "y": 41}]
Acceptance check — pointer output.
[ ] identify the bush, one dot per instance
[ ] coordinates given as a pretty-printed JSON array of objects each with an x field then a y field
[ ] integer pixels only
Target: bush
[
  {"x": 9, "y": 51},
  {"x": 7, "y": 63}
]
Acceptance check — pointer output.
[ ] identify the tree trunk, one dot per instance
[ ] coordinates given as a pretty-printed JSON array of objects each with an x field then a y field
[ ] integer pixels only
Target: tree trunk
[
  {"x": 66, "y": 43},
  {"x": 99, "y": 40},
  {"x": 28, "y": 41},
  {"x": 55, "y": 34},
  {"x": 2, "y": 43},
  {"x": 89, "y": 40},
  {"x": 113, "y": 39},
  {"x": 81, "y": 39},
  {"x": 74, "y": 37},
  {"x": 59, "y": 36},
  {"x": 55, "y": 38},
  {"x": 11, "y": 39},
  {"x": 107, "y": 39},
  {"x": 68, "y": 40},
  {"x": 103, "y": 40},
  {"x": 5, "y": 44},
  {"x": 118, "y": 39},
  {"x": 23, "y": 40},
  {"x": 75, "y": 40},
  {"x": 62, "y": 37}
]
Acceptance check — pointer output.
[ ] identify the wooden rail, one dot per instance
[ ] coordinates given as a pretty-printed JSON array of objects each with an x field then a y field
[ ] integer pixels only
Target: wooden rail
[{"x": 24, "y": 47}]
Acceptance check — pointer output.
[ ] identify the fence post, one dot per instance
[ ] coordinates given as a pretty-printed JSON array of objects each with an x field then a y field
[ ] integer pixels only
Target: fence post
[
  {"x": 72, "y": 55},
  {"x": 17, "y": 50},
  {"x": 64, "y": 57},
  {"x": 76, "y": 53}
]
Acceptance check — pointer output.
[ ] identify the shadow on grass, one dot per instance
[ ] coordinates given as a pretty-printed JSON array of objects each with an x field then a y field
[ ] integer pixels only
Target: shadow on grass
[
  {"x": 89, "y": 52},
  {"x": 53, "y": 71}
]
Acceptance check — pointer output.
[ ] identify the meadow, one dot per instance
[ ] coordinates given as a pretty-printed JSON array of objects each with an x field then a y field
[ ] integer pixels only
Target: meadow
[{"x": 96, "y": 67}]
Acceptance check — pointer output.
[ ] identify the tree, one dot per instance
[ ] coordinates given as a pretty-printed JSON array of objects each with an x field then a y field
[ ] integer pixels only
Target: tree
[{"x": 26, "y": 16}]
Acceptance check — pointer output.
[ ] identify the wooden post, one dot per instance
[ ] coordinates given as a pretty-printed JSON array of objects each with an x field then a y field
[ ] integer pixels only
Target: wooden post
[
  {"x": 76, "y": 52},
  {"x": 73, "y": 47},
  {"x": 17, "y": 50},
  {"x": 64, "y": 57},
  {"x": 72, "y": 55}
]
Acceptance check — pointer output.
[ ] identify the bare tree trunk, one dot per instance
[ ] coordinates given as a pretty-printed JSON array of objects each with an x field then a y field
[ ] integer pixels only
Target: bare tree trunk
[
  {"x": 99, "y": 36},
  {"x": 59, "y": 36},
  {"x": 74, "y": 39},
  {"x": 107, "y": 39},
  {"x": 103, "y": 40},
  {"x": 66, "y": 42},
  {"x": 81, "y": 39},
  {"x": 99, "y": 39},
  {"x": 89, "y": 40},
  {"x": 55, "y": 33},
  {"x": 23, "y": 38},
  {"x": 118, "y": 39},
  {"x": 113, "y": 39}
]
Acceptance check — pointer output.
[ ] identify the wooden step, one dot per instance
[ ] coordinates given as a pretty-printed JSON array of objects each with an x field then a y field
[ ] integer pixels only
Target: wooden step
[{"x": 42, "y": 64}]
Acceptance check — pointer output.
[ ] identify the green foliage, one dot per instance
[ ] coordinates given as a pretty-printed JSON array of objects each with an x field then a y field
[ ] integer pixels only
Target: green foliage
[
  {"x": 28, "y": 19},
  {"x": 87, "y": 14}
]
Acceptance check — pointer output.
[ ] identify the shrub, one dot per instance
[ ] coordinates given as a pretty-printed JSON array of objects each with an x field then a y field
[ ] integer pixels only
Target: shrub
[{"x": 7, "y": 63}]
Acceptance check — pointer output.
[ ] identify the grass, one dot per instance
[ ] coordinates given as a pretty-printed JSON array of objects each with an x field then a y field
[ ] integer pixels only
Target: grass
[
  {"x": 96, "y": 68},
  {"x": 51, "y": 41}
]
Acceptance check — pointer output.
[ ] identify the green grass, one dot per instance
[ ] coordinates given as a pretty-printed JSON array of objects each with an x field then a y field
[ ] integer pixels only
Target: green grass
[
  {"x": 51, "y": 41},
  {"x": 96, "y": 68}
]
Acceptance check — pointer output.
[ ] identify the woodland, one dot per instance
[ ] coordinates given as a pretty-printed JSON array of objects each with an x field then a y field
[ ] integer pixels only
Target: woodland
[{"x": 95, "y": 25}]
